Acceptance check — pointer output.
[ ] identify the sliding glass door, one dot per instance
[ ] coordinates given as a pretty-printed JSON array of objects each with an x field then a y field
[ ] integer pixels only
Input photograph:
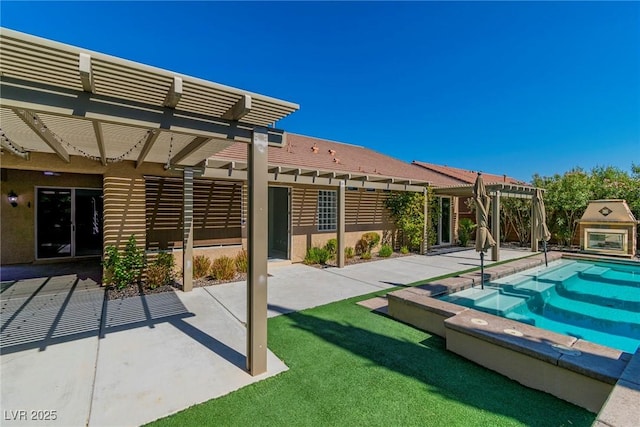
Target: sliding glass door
[{"x": 68, "y": 222}]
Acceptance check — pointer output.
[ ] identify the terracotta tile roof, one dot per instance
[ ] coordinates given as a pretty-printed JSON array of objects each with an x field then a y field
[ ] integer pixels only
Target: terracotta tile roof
[
  {"x": 315, "y": 153},
  {"x": 333, "y": 156},
  {"x": 464, "y": 176}
]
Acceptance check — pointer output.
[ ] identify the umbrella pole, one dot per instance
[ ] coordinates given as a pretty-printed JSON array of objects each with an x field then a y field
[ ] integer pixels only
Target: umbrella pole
[
  {"x": 481, "y": 270},
  {"x": 544, "y": 246}
]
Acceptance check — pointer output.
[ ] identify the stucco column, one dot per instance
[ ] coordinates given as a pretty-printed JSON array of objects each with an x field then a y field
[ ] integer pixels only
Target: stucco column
[
  {"x": 495, "y": 227},
  {"x": 258, "y": 247},
  {"x": 341, "y": 227},
  {"x": 187, "y": 229}
]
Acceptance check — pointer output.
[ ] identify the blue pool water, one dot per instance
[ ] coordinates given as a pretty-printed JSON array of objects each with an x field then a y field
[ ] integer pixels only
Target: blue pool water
[{"x": 593, "y": 300}]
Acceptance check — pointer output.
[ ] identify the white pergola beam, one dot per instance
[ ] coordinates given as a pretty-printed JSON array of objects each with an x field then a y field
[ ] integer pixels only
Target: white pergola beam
[
  {"x": 97, "y": 129},
  {"x": 241, "y": 108},
  {"x": 287, "y": 178},
  {"x": 174, "y": 94},
  {"x": 35, "y": 124},
  {"x": 14, "y": 149},
  {"x": 86, "y": 73},
  {"x": 148, "y": 144},
  {"x": 196, "y": 144}
]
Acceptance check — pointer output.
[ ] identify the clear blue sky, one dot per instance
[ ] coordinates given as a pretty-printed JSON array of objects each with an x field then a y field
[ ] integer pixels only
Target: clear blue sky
[{"x": 472, "y": 85}]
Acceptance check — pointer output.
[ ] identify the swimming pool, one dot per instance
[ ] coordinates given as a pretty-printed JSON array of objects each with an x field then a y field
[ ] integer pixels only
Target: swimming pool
[{"x": 593, "y": 300}]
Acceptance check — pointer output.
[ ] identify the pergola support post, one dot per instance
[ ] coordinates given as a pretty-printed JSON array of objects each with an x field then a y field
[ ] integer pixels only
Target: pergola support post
[
  {"x": 258, "y": 247},
  {"x": 425, "y": 228},
  {"x": 495, "y": 226},
  {"x": 341, "y": 219},
  {"x": 534, "y": 221},
  {"x": 187, "y": 230}
]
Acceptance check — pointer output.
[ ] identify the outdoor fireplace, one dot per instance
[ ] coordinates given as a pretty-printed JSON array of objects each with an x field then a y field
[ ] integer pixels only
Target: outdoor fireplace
[{"x": 609, "y": 228}]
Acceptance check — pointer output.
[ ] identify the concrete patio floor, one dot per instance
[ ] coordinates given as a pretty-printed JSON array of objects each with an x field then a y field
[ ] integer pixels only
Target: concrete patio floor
[{"x": 128, "y": 362}]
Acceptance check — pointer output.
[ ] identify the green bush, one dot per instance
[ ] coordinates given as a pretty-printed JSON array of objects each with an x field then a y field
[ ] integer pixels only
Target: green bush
[
  {"x": 404, "y": 250},
  {"x": 316, "y": 255},
  {"x": 223, "y": 268},
  {"x": 465, "y": 230},
  {"x": 123, "y": 269},
  {"x": 332, "y": 246},
  {"x": 161, "y": 272},
  {"x": 366, "y": 255},
  {"x": 349, "y": 252},
  {"x": 385, "y": 251},
  {"x": 201, "y": 266},
  {"x": 242, "y": 261}
]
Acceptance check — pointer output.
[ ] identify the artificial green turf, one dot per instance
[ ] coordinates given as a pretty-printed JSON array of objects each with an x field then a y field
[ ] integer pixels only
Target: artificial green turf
[{"x": 349, "y": 366}]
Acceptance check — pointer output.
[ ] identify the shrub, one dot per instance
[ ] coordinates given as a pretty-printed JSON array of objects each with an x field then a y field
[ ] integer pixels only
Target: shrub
[
  {"x": 223, "y": 268},
  {"x": 242, "y": 261},
  {"x": 361, "y": 247},
  {"x": 316, "y": 255},
  {"x": 366, "y": 255},
  {"x": 372, "y": 238},
  {"x": 332, "y": 246},
  {"x": 349, "y": 252},
  {"x": 161, "y": 272},
  {"x": 404, "y": 250},
  {"x": 465, "y": 229},
  {"x": 385, "y": 251},
  {"x": 156, "y": 275},
  {"x": 201, "y": 266},
  {"x": 123, "y": 269}
]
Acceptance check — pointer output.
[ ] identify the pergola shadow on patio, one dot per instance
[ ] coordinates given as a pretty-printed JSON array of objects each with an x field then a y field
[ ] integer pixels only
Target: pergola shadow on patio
[{"x": 67, "y": 304}]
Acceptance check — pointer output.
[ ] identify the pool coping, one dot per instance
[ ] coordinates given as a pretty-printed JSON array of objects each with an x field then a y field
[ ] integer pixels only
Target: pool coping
[{"x": 485, "y": 338}]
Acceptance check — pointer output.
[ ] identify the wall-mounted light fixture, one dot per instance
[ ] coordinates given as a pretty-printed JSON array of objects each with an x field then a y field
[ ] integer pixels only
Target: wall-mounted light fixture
[{"x": 13, "y": 198}]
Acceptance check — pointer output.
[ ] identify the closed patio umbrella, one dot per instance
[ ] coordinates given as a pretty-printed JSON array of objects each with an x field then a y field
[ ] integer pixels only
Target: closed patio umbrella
[
  {"x": 484, "y": 240},
  {"x": 540, "y": 230}
]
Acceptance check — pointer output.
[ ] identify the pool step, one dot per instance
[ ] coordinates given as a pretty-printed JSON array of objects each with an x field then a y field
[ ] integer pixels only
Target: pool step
[
  {"x": 595, "y": 271},
  {"x": 593, "y": 316},
  {"x": 562, "y": 273},
  {"x": 470, "y": 297},
  {"x": 605, "y": 295},
  {"x": 501, "y": 304}
]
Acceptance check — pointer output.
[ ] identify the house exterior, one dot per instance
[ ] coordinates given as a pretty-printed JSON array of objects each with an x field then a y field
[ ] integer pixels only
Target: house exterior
[{"x": 87, "y": 181}]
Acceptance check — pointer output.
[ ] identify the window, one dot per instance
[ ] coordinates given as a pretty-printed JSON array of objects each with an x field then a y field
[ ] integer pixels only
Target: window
[{"x": 327, "y": 210}]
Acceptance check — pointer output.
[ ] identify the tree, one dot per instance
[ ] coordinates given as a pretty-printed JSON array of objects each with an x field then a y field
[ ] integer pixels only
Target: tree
[
  {"x": 407, "y": 211},
  {"x": 515, "y": 214},
  {"x": 568, "y": 195}
]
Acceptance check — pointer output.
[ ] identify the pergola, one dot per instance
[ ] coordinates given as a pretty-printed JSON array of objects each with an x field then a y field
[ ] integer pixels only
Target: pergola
[
  {"x": 67, "y": 101},
  {"x": 496, "y": 191},
  {"x": 341, "y": 180}
]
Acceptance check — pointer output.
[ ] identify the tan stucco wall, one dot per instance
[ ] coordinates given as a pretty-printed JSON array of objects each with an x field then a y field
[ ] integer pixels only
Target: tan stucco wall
[
  {"x": 17, "y": 225},
  {"x": 123, "y": 189},
  {"x": 212, "y": 253}
]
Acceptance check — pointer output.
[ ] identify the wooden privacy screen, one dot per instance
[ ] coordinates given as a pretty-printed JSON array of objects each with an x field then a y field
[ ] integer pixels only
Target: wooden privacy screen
[
  {"x": 365, "y": 210},
  {"x": 217, "y": 212}
]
